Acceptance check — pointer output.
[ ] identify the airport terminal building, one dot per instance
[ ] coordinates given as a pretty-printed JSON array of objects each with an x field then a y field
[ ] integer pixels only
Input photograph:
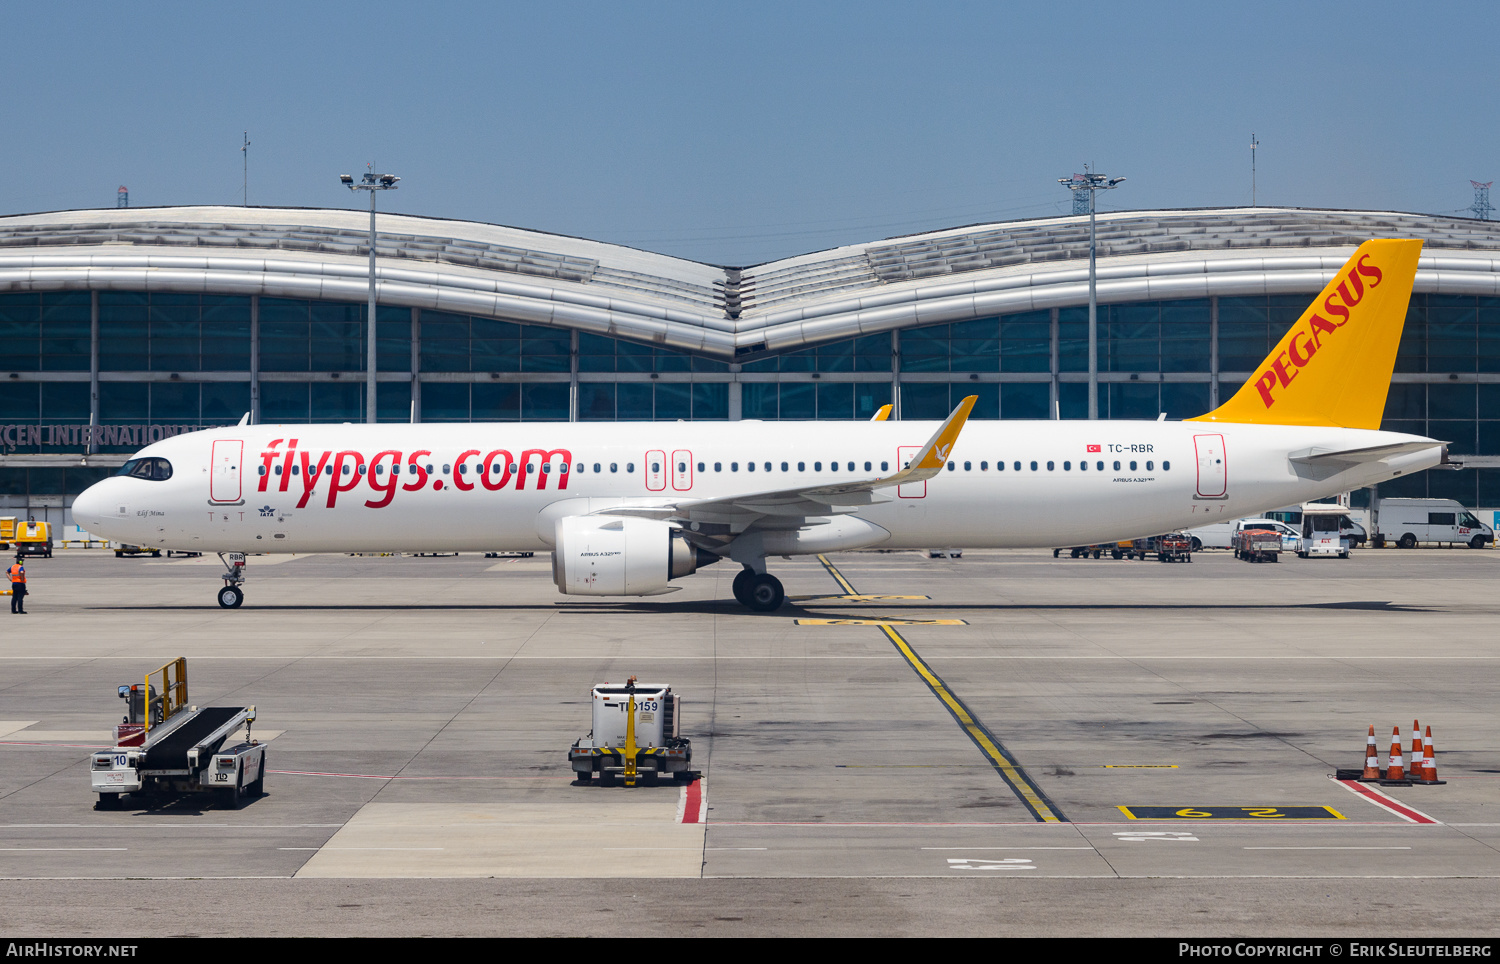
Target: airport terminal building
[{"x": 124, "y": 326}]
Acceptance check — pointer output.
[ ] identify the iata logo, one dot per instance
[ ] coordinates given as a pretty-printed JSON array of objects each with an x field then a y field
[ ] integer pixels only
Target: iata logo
[
  {"x": 1305, "y": 342},
  {"x": 385, "y": 471}
]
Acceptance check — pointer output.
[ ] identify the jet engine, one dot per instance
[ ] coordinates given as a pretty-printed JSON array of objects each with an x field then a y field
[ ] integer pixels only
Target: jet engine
[{"x": 621, "y": 556}]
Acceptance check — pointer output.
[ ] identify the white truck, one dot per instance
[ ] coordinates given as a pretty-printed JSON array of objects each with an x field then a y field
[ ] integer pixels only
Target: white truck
[
  {"x": 635, "y": 734},
  {"x": 1324, "y": 532},
  {"x": 1407, "y": 522}
]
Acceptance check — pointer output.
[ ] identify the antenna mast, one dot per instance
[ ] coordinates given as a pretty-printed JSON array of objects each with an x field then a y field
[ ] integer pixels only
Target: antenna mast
[
  {"x": 1253, "y": 145},
  {"x": 245, "y": 150}
]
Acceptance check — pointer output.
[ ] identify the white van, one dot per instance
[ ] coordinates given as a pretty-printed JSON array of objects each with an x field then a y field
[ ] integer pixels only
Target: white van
[
  {"x": 1220, "y": 535},
  {"x": 1407, "y": 522}
]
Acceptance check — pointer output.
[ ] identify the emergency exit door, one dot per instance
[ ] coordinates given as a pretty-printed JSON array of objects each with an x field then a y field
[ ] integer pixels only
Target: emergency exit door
[
  {"x": 1213, "y": 469},
  {"x": 224, "y": 472}
]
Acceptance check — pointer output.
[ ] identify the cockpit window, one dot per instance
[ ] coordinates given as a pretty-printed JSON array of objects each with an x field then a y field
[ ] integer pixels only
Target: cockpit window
[{"x": 154, "y": 470}]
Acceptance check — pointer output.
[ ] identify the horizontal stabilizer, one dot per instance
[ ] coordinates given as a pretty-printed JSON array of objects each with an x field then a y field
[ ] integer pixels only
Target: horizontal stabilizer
[{"x": 1317, "y": 455}]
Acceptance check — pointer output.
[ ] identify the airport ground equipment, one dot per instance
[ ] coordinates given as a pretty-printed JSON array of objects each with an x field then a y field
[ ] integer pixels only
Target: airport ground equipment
[
  {"x": 635, "y": 736},
  {"x": 1174, "y": 547},
  {"x": 1257, "y": 545},
  {"x": 26, "y": 538},
  {"x": 128, "y": 549},
  {"x": 166, "y": 745},
  {"x": 1323, "y": 532}
]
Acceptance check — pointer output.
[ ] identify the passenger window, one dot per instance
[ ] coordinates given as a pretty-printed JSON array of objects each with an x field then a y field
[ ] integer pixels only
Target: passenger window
[
  {"x": 596, "y": 468},
  {"x": 260, "y": 470},
  {"x": 718, "y": 466},
  {"x": 1049, "y": 466},
  {"x": 784, "y": 467},
  {"x": 1149, "y": 466},
  {"x": 885, "y": 466},
  {"x": 630, "y": 467},
  {"x": 801, "y": 466},
  {"x": 1100, "y": 466},
  {"x": 1033, "y": 466},
  {"x": 1117, "y": 466},
  {"x": 768, "y": 466},
  {"x": 734, "y": 466},
  {"x": 867, "y": 466},
  {"x": 1083, "y": 466},
  {"x": 614, "y": 466},
  {"x": 1132, "y": 466},
  {"x": 749, "y": 466},
  {"x": 700, "y": 466},
  {"x": 817, "y": 466},
  {"x": 983, "y": 466},
  {"x": 1166, "y": 466},
  {"x": 968, "y": 466},
  {"x": 1018, "y": 466},
  {"x": 950, "y": 466},
  {"x": 1067, "y": 466},
  {"x": 655, "y": 466}
]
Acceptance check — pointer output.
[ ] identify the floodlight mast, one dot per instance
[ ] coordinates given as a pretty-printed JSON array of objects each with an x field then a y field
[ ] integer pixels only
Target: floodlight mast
[
  {"x": 1092, "y": 183},
  {"x": 371, "y": 182}
]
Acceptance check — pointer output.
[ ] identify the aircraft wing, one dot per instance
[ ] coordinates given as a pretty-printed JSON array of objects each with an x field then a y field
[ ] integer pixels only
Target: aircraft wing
[
  {"x": 1318, "y": 455},
  {"x": 791, "y": 508}
]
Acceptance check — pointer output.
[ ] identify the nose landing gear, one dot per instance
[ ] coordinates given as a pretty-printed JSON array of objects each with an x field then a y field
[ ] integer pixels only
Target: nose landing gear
[{"x": 231, "y": 595}]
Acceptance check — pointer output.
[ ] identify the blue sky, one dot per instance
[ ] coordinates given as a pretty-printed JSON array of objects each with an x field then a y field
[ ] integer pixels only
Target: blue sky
[{"x": 740, "y": 133}]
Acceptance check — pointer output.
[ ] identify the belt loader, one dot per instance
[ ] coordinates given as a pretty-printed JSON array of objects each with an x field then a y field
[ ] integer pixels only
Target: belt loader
[
  {"x": 635, "y": 736},
  {"x": 164, "y": 745}
]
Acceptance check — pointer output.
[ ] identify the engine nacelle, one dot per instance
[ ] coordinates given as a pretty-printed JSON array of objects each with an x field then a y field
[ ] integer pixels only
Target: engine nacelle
[{"x": 621, "y": 556}]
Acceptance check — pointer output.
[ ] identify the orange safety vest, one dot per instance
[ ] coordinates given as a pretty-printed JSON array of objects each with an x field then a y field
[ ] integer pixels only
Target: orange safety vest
[{"x": 17, "y": 574}]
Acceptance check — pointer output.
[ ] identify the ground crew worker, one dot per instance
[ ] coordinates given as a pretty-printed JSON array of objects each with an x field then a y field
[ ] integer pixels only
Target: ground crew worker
[{"x": 18, "y": 587}]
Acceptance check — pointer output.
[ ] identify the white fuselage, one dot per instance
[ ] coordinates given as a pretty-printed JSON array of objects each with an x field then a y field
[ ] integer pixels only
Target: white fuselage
[{"x": 247, "y": 489}]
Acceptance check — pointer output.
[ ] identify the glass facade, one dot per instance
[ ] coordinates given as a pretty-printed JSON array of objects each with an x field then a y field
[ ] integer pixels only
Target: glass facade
[{"x": 166, "y": 363}]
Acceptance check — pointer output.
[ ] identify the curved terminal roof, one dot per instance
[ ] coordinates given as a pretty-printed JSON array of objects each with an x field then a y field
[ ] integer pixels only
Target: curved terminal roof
[{"x": 538, "y": 278}]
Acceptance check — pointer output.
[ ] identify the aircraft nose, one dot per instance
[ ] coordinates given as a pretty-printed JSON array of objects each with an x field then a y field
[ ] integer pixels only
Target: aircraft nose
[{"x": 89, "y": 506}]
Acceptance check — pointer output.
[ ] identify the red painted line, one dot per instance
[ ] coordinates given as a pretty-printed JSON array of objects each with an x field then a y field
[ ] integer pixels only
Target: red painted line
[
  {"x": 1388, "y": 803},
  {"x": 692, "y": 802},
  {"x": 380, "y": 776}
]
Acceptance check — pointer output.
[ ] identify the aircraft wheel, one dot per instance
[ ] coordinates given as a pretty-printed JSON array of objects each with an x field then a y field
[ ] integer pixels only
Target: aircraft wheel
[
  {"x": 741, "y": 586},
  {"x": 230, "y": 597},
  {"x": 765, "y": 593},
  {"x": 1407, "y": 541}
]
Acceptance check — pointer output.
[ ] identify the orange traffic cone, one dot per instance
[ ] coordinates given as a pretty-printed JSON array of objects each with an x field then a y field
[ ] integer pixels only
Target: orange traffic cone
[
  {"x": 1429, "y": 762},
  {"x": 1372, "y": 757},
  {"x": 1414, "y": 771},
  {"x": 1396, "y": 771}
]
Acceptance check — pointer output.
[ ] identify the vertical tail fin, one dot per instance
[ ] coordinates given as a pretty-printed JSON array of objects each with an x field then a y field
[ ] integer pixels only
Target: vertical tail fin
[{"x": 1334, "y": 366}]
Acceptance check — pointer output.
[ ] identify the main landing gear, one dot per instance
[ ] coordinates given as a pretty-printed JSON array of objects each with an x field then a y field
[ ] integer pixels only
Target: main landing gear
[
  {"x": 231, "y": 595},
  {"x": 759, "y": 591}
]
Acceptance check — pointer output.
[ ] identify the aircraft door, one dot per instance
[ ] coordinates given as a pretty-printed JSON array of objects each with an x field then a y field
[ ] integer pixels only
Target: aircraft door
[
  {"x": 224, "y": 472},
  {"x": 1213, "y": 469},
  {"x": 682, "y": 470},
  {"x": 911, "y": 490},
  {"x": 656, "y": 470}
]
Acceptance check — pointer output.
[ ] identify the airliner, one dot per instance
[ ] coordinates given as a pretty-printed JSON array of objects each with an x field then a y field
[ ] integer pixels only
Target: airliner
[{"x": 626, "y": 509}]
